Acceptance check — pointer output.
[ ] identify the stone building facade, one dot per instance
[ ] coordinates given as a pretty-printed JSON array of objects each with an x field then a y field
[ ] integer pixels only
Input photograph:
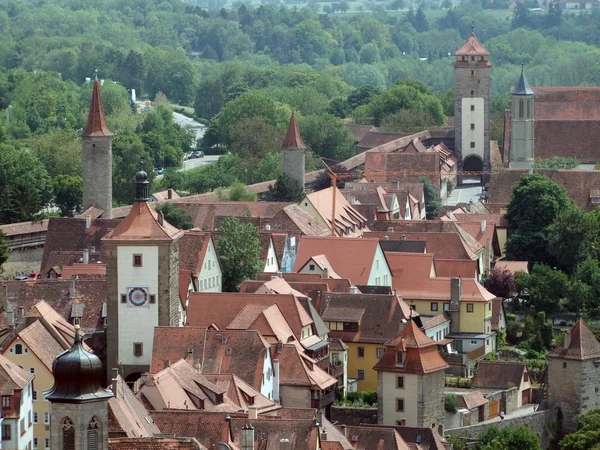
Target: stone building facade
[
  {"x": 97, "y": 157},
  {"x": 522, "y": 124},
  {"x": 472, "y": 82},
  {"x": 574, "y": 375}
]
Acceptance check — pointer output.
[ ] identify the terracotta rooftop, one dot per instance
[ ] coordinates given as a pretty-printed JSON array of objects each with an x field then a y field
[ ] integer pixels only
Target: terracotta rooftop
[
  {"x": 209, "y": 428},
  {"x": 439, "y": 289},
  {"x": 292, "y": 140},
  {"x": 472, "y": 400},
  {"x": 464, "y": 268},
  {"x": 513, "y": 266},
  {"x": 342, "y": 253},
  {"x": 374, "y": 138},
  {"x": 127, "y": 415},
  {"x": 142, "y": 224},
  {"x": 15, "y": 229},
  {"x": 402, "y": 167},
  {"x": 583, "y": 345},
  {"x": 365, "y": 437},
  {"x": 380, "y": 317},
  {"x": 472, "y": 47},
  {"x": 359, "y": 130},
  {"x": 78, "y": 270},
  {"x": 297, "y": 369},
  {"x": 421, "y": 353},
  {"x": 293, "y": 219},
  {"x": 192, "y": 250},
  {"x": 410, "y": 267},
  {"x": 499, "y": 374},
  {"x": 348, "y": 221},
  {"x": 301, "y": 433},
  {"x": 12, "y": 377},
  {"x": 162, "y": 196},
  {"x": 154, "y": 443},
  {"x": 96, "y": 122}
]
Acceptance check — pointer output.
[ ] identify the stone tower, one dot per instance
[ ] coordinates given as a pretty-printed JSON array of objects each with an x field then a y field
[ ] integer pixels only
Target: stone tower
[
  {"x": 472, "y": 81},
  {"x": 142, "y": 278},
  {"x": 292, "y": 153},
  {"x": 574, "y": 375},
  {"x": 521, "y": 125},
  {"x": 97, "y": 157},
  {"x": 78, "y": 402}
]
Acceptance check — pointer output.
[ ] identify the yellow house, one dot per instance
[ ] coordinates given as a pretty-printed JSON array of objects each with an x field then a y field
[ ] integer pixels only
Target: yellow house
[
  {"x": 364, "y": 322},
  {"x": 34, "y": 348}
]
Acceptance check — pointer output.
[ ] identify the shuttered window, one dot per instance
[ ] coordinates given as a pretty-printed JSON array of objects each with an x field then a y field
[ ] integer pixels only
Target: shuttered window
[{"x": 68, "y": 434}]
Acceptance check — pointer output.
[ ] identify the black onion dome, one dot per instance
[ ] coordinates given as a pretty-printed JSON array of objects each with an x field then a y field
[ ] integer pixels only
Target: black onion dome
[
  {"x": 77, "y": 376},
  {"x": 141, "y": 177}
]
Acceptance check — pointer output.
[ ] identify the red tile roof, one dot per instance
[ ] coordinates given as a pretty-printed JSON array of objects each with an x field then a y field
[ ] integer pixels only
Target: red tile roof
[
  {"x": 12, "y": 377},
  {"x": 513, "y": 266},
  {"x": 83, "y": 271},
  {"x": 348, "y": 221},
  {"x": 96, "y": 122},
  {"x": 292, "y": 140},
  {"x": 439, "y": 289},
  {"x": 301, "y": 433},
  {"x": 583, "y": 345},
  {"x": 365, "y": 437},
  {"x": 403, "y": 167},
  {"x": 192, "y": 250},
  {"x": 15, "y": 229},
  {"x": 499, "y": 374},
  {"x": 472, "y": 46},
  {"x": 351, "y": 258},
  {"x": 472, "y": 400},
  {"x": 421, "y": 352},
  {"x": 464, "y": 268},
  {"x": 127, "y": 415},
  {"x": 154, "y": 443},
  {"x": 297, "y": 369},
  {"x": 142, "y": 224}
]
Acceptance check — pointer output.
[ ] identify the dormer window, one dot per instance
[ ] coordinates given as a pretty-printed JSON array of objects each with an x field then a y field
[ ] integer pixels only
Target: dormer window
[{"x": 400, "y": 358}]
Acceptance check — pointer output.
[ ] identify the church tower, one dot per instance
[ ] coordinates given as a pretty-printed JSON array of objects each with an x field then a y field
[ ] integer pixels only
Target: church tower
[
  {"x": 78, "y": 402},
  {"x": 292, "y": 153},
  {"x": 97, "y": 157},
  {"x": 142, "y": 278},
  {"x": 521, "y": 125},
  {"x": 472, "y": 80}
]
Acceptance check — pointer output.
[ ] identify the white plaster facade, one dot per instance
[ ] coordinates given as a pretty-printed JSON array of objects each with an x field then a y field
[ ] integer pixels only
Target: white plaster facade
[
  {"x": 380, "y": 274},
  {"x": 136, "y": 323},
  {"x": 21, "y": 428},
  {"x": 473, "y": 127},
  {"x": 271, "y": 264},
  {"x": 270, "y": 385},
  {"x": 340, "y": 358},
  {"x": 211, "y": 276},
  {"x": 438, "y": 332},
  {"x": 392, "y": 393}
]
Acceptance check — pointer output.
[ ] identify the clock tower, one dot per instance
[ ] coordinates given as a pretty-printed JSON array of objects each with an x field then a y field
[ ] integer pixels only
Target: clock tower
[{"x": 142, "y": 275}]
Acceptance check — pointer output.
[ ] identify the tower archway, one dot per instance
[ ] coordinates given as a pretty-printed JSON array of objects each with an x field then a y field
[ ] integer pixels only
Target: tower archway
[{"x": 472, "y": 163}]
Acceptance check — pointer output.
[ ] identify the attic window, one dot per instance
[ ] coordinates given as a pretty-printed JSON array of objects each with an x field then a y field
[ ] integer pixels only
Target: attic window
[
  {"x": 190, "y": 351},
  {"x": 228, "y": 351},
  {"x": 223, "y": 339},
  {"x": 400, "y": 359},
  {"x": 311, "y": 267},
  {"x": 472, "y": 72}
]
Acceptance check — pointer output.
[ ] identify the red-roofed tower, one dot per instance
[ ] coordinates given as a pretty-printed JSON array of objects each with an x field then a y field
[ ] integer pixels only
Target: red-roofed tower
[
  {"x": 97, "y": 157},
  {"x": 292, "y": 153},
  {"x": 472, "y": 82}
]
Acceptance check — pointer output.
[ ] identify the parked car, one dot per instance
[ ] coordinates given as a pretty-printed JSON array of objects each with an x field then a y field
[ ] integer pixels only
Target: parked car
[
  {"x": 21, "y": 278},
  {"x": 199, "y": 154},
  {"x": 159, "y": 170},
  {"x": 34, "y": 276}
]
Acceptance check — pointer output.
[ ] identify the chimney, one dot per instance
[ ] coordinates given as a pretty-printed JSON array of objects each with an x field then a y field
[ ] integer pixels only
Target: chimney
[
  {"x": 325, "y": 272},
  {"x": 166, "y": 363},
  {"x": 247, "y": 437},
  {"x": 567, "y": 340},
  {"x": 455, "y": 290},
  {"x": 115, "y": 374},
  {"x": 323, "y": 435},
  {"x": 86, "y": 256},
  {"x": 386, "y": 238},
  {"x": 285, "y": 444},
  {"x": 470, "y": 205},
  {"x": 403, "y": 237},
  {"x": 279, "y": 347},
  {"x": 267, "y": 227},
  {"x": 10, "y": 318},
  {"x": 72, "y": 289},
  {"x": 252, "y": 412},
  {"x": 169, "y": 193},
  {"x": 161, "y": 218},
  {"x": 88, "y": 222},
  {"x": 344, "y": 431},
  {"x": 483, "y": 225},
  {"x": 279, "y": 275},
  {"x": 21, "y": 313},
  {"x": 353, "y": 290},
  {"x": 276, "y": 380}
]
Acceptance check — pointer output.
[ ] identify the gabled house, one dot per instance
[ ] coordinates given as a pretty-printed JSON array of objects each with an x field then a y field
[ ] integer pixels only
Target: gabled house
[
  {"x": 505, "y": 375},
  {"x": 267, "y": 253},
  {"x": 16, "y": 385},
  {"x": 410, "y": 381},
  {"x": 362, "y": 261},
  {"x": 198, "y": 254},
  {"x": 364, "y": 322}
]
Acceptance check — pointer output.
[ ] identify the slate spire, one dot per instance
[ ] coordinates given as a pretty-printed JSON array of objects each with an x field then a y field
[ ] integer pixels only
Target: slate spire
[{"x": 522, "y": 87}]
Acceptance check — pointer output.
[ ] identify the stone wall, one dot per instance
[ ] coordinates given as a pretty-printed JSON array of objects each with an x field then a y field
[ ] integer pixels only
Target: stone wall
[
  {"x": 431, "y": 411},
  {"x": 97, "y": 173},
  {"x": 541, "y": 422},
  {"x": 564, "y": 389},
  {"x": 510, "y": 399},
  {"x": 353, "y": 416}
]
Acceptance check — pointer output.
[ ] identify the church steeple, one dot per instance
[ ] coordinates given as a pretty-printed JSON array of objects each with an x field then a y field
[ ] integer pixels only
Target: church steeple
[
  {"x": 522, "y": 125},
  {"x": 96, "y": 123},
  {"x": 522, "y": 86}
]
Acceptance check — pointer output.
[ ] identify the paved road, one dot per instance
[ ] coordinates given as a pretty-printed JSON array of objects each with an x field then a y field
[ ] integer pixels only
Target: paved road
[
  {"x": 192, "y": 163},
  {"x": 464, "y": 193}
]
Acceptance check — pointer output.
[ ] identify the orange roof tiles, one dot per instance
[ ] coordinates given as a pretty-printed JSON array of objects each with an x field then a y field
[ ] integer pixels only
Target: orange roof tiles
[
  {"x": 421, "y": 354},
  {"x": 209, "y": 428},
  {"x": 142, "y": 224},
  {"x": 292, "y": 140},
  {"x": 297, "y": 369},
  {"x": 472, "y": 47},
  {"x": 96, "y": 122},
  {"x": 439, "y": 289},
  {"x": 583, "y": 345},
  {"x": 83, "y": 270},
  {"x": 464, "y": 268},
  {"x": 365, "y": 437},
  {"x": 127, "y": 415},
  {"x": 192, "y": 250},
  {"x": 12, "y": 377},
  {"x": 154, "y": 443},
  {"x": 499, "y": 374},
  {"x": 473, "y": 400},
  {"x": 348, "y": 221},
  {"x": 513, "y": 266},
  {"x": 350, "y": 258}
]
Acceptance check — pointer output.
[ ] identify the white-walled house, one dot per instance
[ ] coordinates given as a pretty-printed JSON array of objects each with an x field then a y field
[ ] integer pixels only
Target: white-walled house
[
  {"x": 17, "y": 407},
  {"x": 198, "y": 254},
  {"x": 268, "y": 254}
]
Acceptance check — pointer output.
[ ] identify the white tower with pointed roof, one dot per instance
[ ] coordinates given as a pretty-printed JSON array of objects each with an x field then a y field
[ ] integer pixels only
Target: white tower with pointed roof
[
  {"x": 521, "y": 125},
  {"x": 292, "y": 153}
]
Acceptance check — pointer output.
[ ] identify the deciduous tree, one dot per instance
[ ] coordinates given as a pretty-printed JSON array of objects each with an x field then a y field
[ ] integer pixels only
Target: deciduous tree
[
  {"x": 176, "y": 216},
  {"x": 68, "y": 194}
]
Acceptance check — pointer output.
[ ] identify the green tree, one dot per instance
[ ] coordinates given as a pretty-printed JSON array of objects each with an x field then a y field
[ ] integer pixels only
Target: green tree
[
  {"x": 59, "y": 151},
  {"x": 239, "y": 252},
  {"x": 178, "y": 217},
  {"x": 573, "y": 237},
  {"x": 547, "y": 287},
  {"x": 252, "y": 138},
  {"x": 68, "y": 194},
  {"x": 509, "y": 438},
  {"x": 327, "y": 136},
  {"x": 4, "y": 250},
  {"x": 237, "y": 192},
  {"x": 587, "y": 435},
  {"x": 408, "y": 121},
  {"x": 501, "y": 282},
  {"x": 536, "y": 202},
  {"x": 557, "y": 162},
  {"x": 432, "y": 200},
  {"x": 129, "y": 156},
  {"x": 421, "y": 24},
  {"x": 285, "y": 189}
]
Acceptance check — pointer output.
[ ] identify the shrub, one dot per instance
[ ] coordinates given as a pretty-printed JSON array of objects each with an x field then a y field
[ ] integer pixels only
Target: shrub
[{"x": 451, "y": 403}]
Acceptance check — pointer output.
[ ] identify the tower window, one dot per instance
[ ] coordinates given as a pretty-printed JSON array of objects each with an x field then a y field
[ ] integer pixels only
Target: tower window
[
  {"x": 92, "y": 434},
  {"x": 6, "y": 401},
  {"x": 138, "y": 349},
  {"x": 472, "y": 58},
  {"x": 520, "y": 108},
  {"x": 469, "y": 307},
  {"x": 137, "y": 260},
  {"x": 472, "y": 144},
  {"x": 472, "y": 72},
  {"x": 152, "y": 298},
  {"x": 529, "y": 109},
  {"x": 18, "y": 349},
  {"x": 68, "y": 434},
  {"x": 472, "y": 92},
  {"x": 472, "y": 107},
  {"x": 400, "y": 404},
  {"x": 123, "y": 298},
  {"x": 6, "y": 432},
  {"x": 472, "y": 126}
]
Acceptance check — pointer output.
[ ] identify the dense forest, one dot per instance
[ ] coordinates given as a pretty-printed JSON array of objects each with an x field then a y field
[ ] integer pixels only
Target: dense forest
[{"x": 243, "y": 69}]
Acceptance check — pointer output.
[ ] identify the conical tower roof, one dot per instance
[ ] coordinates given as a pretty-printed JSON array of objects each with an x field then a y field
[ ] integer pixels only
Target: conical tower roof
[
  {"x": 77, "y": 376},
  {"x": 522, "y": 87},
  {"x": 292, "y": 140},
  {"x": 583, "y": 344},
  {"x": 96, "y": 123}
]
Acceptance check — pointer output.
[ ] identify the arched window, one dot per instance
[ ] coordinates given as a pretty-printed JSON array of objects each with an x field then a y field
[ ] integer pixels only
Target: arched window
[
  {"x": 93, "y": 433},
  {"x": 68, "y": 434},
  {"x": 18, "y": 349},
  {"x": 520, "y": 108},
  {"x": 529, "y": 108}
]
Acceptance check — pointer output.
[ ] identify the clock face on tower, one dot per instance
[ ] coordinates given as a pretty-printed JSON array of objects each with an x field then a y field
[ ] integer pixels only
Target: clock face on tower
[{"x": 138, "y": 296}]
